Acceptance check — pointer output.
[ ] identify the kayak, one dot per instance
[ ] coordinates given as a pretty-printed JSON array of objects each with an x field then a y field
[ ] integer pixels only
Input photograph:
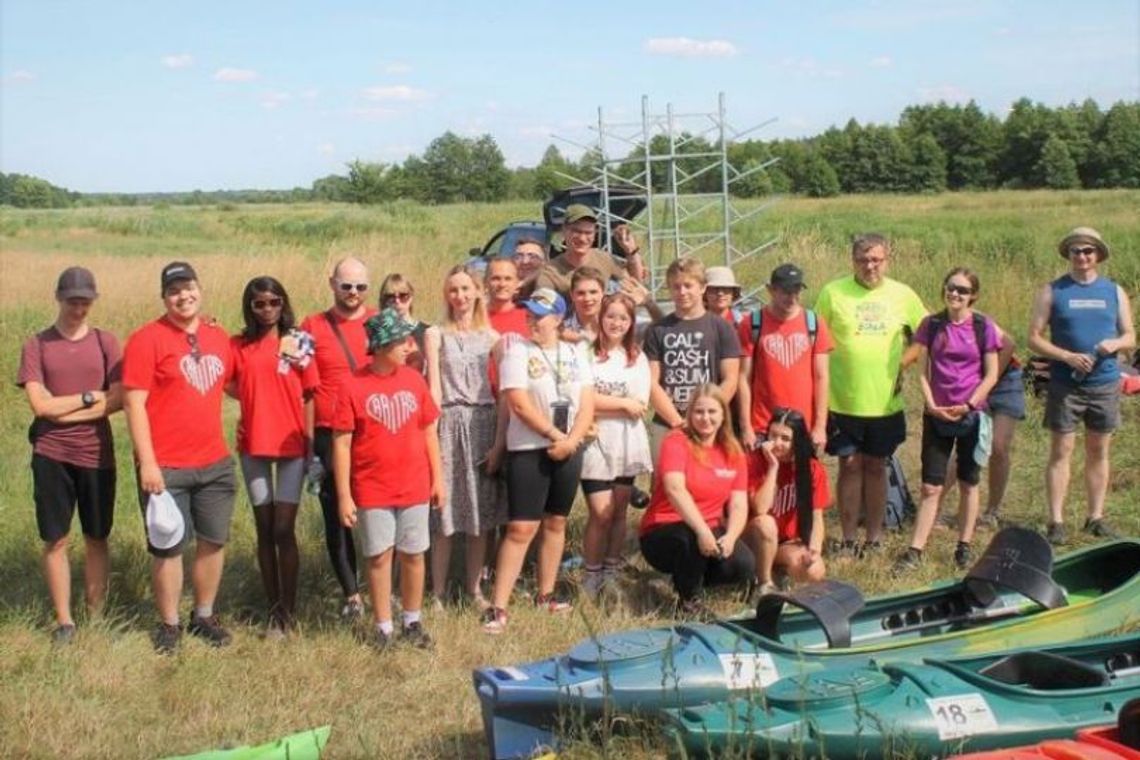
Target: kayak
[
  {"x": 934, "y": 708},
  {"x": 1013, "y": 596},
  {"x": 1119, "y": 742},
  {"x": 304, "y": 745}
]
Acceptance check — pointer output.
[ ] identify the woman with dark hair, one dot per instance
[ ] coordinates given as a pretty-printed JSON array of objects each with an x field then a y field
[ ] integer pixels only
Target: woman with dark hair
[
  {"x": 398, "y": 293},
  {"x": 274, "y": 380},
  {"x": 699, "y": 506},
  {"x": 791, "y": 493},
  {"x": 957, "y": 349}
]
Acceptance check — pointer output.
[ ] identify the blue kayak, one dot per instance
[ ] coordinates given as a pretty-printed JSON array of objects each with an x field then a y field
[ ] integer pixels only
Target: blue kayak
[{"x": 1013, "y": 596}]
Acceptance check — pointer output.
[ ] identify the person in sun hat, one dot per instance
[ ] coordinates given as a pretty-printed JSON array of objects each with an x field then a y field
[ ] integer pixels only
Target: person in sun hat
[
  {"x": 175, "y": 370},
  {"x": 1089, "y": 321},
  {"x": 388, "y": 471},
  {"x": 721, "y": 292},
  {"x": 70, "y": 373}
]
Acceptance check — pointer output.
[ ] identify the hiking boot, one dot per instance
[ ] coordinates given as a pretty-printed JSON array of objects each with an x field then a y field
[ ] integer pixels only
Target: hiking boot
[
  {"x": 1099, "y": 528},
  {"x": 908, "y": 561},
  {"x": 552, "y": 603},
  {"x": 494, "y": 620},
  {"x": 415, "y": 635},
  {"x": 1055, "y": 534},
  {"x": 379, "y": 640},
  {"x": 847, "y": 549},
  {"x": 166, "y": 638},
  {"x": 210, "y": 630},
  {"x": 352, "y": 611},
  {"x": 695, "y": 609},
  {"x": 868, "y": 548},
  {"x": 63, "y": 634},
  {"x": 963, "y": 555}
]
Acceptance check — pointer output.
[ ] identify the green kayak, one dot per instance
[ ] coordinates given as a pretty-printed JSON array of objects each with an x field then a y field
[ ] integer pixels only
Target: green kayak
[
  {"x": 304, "y": 745},
  {"x": 934, "y": 708}
]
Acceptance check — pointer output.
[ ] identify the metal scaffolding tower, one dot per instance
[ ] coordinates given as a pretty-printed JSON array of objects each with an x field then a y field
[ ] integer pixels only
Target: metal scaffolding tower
[{"x": 679, "y": 164}]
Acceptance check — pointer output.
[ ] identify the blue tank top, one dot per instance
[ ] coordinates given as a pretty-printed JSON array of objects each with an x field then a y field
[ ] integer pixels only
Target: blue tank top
[{"x": 1082, "y": 316}]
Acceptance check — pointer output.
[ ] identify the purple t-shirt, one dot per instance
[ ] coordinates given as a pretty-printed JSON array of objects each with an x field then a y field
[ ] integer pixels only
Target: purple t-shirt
[
  {"x": 955, "y": 361},
  {"x": 64, "y": 368}
]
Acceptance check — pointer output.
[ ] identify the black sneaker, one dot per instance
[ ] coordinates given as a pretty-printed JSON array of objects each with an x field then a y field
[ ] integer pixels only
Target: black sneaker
[
  {"x": 1055, "y": 534},
  {"x": 415, "y": 635},
  {"x": 381, "y": 641},
  {"x": 869, "y": 548},
  {"x": 63, "y": 634},
  {"x": 963, "y": 555},
  {"x": 166, "y": 638},
  {"x": 210, "y": 630},
  {"x": 908, "y": 561},
  {"x": 1100, "y": 528},
  {"x": 638, "y": 499},
  {"x": 847, "y": 549}
]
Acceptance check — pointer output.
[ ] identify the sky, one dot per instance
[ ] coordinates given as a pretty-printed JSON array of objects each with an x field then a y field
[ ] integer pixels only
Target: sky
[{"x": 127, "y": 96}]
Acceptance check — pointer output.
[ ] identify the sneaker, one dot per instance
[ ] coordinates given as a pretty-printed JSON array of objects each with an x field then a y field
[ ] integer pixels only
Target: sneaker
[
  {"x": 908, "y": 561},
  {"x": 415, "y": 635},
  {"x": 274, "y": 631},
  {"x": 379, "y": 640},
  {"x": 638, "y": 499},
  {"x": 352, "y": 611},
  {"x": 166, "y": 638},
  {"x": 868, "y": 548},
  {"x": 592, "y": 582},
  {"x": 552, "y": 603},
  {"x": 63, "y": 634},
  {"x": 1100, "y": 528},
  {"x": 694, "y": 609},
  {"x": 765, "y": 588},
  {"x": 210, "y": 630},
  {"x": 847, "y": 549},
  {"x": 1055, "y": 534},
  {"x": 991, "y": 518},
  {"x": 963, "y": 555},
  {"x": 494, "y": 620}
]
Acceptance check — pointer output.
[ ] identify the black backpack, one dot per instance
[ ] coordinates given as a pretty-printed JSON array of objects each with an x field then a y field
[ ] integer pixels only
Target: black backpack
[{"x": 901, "y": 508}]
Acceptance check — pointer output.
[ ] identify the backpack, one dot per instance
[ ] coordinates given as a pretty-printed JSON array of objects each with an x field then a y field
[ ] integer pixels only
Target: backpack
[
  {"x": 812, "y": 324},
  {"x": 938, "y": 324},
  {"x": 901, "y": 508}
]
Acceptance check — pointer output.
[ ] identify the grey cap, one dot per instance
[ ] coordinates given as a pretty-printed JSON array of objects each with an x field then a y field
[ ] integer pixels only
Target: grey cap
[{"x": 76, "y": 282}]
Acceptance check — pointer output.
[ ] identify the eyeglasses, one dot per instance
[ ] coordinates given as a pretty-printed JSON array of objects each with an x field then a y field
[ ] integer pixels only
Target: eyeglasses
[
  {"x": 718, "y": 291},
  {"x": 348, "y": 287},
  {"x": 961, "y": 290},
  {"x": 1084, "y": 250},
  {"x": 268, "y": 303},
  {"x": 401, "y": 297},
  {"x": 870, "y": 262},
  {"x": 195, "y": 351}
]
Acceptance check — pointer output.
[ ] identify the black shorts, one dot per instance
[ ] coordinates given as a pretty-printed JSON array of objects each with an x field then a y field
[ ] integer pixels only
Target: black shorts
[
  {"x": 873, "y": 436},
  {"x": 597, "y": 486},
  {"x": 936, "y": 450},
  {"x": 537, "y": 485},
  {"x": 58, "y": 487}
]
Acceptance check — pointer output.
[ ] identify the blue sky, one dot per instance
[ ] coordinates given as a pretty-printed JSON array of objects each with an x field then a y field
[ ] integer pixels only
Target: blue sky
[{"x": 130, "y": 96}]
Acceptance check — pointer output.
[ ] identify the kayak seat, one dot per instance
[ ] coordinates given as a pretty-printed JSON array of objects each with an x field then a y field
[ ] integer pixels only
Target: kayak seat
[
  {"x": 1045, "y": 671},
  {"x": 831, "y": 603},
  {"x": 1019, "y": 560}
]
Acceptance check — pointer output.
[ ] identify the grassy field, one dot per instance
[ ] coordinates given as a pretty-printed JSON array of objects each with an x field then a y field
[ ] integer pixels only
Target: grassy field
[{"x": 109, "y": 696}]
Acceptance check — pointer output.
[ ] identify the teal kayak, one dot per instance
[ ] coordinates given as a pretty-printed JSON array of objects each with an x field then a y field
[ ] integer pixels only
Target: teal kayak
[
  {"x": 1013, "y": 596},
  {"x": 934, "y": 708},
  {"x": 305, "y": 745}
]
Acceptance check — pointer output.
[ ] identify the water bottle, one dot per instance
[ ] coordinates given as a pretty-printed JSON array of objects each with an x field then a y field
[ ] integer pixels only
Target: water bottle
[{"x": 1080, "y": 375}]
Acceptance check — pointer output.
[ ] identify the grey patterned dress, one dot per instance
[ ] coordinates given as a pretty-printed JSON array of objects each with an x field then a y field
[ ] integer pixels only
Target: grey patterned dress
[{"x": 475, "y": 501}]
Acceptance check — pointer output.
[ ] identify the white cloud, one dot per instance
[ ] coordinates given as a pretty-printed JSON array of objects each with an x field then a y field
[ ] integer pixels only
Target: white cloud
[
  {"x": 235, "y": 75},
  {"x": 326, "y": 149},
  {"x": 177, "y": 60},
  {"x": 19, "y": 76},
  {"x": 951, "y": 93},
  {"x": 397, "y": 68},
  {"x": 372, "y": 113},
  {"x": 399, "y": 92},
  {"x": 687, "y": 47},
  {"x": 810, "y": 67},
  {"x": 272, "y": 100},
  {"x": 881, "y": 62}
]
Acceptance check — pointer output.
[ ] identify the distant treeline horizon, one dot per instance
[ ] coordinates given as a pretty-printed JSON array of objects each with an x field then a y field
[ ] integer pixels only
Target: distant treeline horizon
[{"x": 931, "y": 149}]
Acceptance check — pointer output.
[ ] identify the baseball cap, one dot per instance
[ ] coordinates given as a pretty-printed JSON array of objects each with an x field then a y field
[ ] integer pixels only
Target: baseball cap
[
  {"x": 787, "y": 277},
  {"x": 576, "y": 212},
  {"x": 164, "y": 524},
  {"x": 1083, "y": 235},
  {"x": 176, "y": 271},
  {"x": 76, "y": 282},
  {"x": 545, "y": 301}
]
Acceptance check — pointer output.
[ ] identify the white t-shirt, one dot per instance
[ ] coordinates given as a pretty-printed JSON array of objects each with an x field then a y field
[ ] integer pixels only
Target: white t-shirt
[
  {"x": 622, "y": 446},
  {"x": 548, "y": 375}
]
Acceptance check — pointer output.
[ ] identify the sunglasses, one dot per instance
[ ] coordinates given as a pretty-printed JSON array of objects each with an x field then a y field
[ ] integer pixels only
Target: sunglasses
[
  {"x": 348, "y": 287},
  {"x": 401, "y": 297},
  {"x": 195, "y": 351},
  {"x": 961, "y": 290},
  {"x": 267, "y": 303},
  {"x": 1084, "y": 250}
]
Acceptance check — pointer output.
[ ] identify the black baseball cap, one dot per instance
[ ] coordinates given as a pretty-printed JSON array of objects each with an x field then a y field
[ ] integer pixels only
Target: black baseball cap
[
  {"x": 176, "y": 271},
  {"x": 787, "y": 277},
  {"x": 76, "y": 282}
]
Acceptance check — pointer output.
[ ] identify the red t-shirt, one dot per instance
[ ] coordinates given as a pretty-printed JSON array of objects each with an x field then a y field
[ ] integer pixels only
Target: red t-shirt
[
  {"x": 184, "y": 401},
  {"x": 332, "y": 364},
  {"x": 272, "y": 420},
  {"x": 388, "y": 416},
  {"x": 783, "y": 367},
  {"x": 710, "y": 482},
  {"x": 510, "y": 321},
  {"x": 784, "y": 503}
]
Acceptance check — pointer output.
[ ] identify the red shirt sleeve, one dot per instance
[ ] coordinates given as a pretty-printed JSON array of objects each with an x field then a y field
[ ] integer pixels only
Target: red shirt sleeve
[
  {"x": 140, "y": 360},
  {"x": 344, "y": 420},
  {"x": 823, "y": 341},
  {"x": 820, "y": 488},
  {"x": 744, "y": 333},
  {"x": 674, "y": 454},
  {"x": 740, "y": 464},
  {"x": 310, "y": 376}
]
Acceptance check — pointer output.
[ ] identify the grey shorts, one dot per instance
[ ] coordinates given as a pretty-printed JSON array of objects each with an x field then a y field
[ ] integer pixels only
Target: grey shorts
[
  {"x": 1008, "y": 396},
  {"x": 259, "y": 481},
  {"x": 1097, "y": 406},
  {"x": 205, "y": 497},
  {"x": 406, "y": 528}
]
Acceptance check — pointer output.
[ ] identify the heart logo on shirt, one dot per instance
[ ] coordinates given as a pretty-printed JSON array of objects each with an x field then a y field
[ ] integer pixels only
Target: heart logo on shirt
[
  {"x": 785, "y": 350},
  {"x": 202, "y": 373},
  {"x": 391, "y": 411}
]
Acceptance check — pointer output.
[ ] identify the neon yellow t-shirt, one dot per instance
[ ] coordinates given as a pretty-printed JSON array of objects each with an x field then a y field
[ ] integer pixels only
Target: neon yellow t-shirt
[{"x": 867, "y": 327}]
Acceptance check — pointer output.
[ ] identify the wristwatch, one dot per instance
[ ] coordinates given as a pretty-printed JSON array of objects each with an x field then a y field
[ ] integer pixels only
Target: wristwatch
[{"x": 88, "y": 399}]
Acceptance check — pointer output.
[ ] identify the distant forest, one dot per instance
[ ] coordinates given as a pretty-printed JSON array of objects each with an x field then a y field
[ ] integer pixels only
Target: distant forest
[{"x": 932, "y": 148}]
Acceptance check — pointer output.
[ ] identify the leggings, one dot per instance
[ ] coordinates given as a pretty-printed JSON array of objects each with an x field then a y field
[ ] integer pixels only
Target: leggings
[
  {"x": 673, "y": 549},
  {"x": 338, "y": 539}
]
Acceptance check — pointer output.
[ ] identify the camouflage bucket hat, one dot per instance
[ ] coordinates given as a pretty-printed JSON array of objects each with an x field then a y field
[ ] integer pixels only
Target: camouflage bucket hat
[{"x": 386, "y": 328}]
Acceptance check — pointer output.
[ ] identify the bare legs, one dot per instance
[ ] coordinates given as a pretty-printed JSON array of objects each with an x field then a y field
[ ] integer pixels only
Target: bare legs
[{"x": 862, "y": 491}]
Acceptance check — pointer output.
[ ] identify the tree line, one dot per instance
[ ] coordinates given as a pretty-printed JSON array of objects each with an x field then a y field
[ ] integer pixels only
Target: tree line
[{"x": 931, "y": 149}]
